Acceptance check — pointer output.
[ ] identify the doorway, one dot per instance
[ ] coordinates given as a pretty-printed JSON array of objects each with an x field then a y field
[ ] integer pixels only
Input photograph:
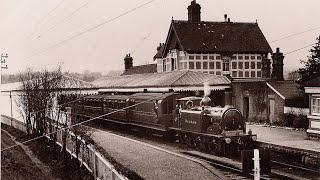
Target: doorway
[
  {"x": 271, "y": 110},
  {"x": 245, "y": 108}
]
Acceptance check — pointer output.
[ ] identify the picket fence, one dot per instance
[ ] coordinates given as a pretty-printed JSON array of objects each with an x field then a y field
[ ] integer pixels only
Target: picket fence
[{"x": 88, "y": 156}]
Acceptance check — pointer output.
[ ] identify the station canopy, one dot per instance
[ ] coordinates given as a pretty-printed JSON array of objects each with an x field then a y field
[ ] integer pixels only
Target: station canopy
[
  {"x": 177, "y": 81},
  {"x": 66, "y": 83}
]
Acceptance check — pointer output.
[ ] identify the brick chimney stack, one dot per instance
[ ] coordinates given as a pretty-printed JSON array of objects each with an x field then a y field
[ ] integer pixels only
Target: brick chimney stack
[
  {"x": 128, "y": 62},
  {"x": 277, "y": 65},
  {"x": 194, "y": 12},
  {"x": 266, "y": 67}
]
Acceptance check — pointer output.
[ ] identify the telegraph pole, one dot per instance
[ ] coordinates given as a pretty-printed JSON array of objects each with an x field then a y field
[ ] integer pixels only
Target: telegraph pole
[
  {"x": 3, "y": 66},
  {"x": 3, "y": 61}
]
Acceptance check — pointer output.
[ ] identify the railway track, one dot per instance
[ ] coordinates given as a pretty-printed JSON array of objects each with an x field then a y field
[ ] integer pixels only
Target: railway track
[
  {"x": 280, "y": 170},
  {"x": 293, "y": 171},
  {"x": 227, "y": 171}
]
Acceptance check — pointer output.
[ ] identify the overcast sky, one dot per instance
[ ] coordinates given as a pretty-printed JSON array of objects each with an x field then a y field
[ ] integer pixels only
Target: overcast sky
[{"x": 29, "y": 28}]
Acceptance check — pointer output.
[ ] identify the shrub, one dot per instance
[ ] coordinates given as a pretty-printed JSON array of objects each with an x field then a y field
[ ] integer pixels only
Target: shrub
[
  {"x": 301, "y": 121},
  {"x": 288, "y": 119}
]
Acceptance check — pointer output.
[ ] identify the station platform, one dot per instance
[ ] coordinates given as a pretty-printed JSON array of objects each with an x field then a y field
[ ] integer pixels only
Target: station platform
[
  {"x": 286, "y": 139},
  {"x": 150, "y": 162}
]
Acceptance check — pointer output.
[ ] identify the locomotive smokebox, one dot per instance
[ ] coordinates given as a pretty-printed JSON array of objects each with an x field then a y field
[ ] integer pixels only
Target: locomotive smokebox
[{"x": 206, "y": 101}]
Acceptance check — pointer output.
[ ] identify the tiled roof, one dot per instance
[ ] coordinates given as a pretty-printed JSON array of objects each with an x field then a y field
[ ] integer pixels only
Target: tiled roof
[
  {"x": 67, "y": 82},
  {"x": 217, "y": 37},
  {"x": 160, "y": 80},
  {"x": 143, "y": 69},
  {"x": 313, "y": 83},
  {"x": 287, "y": 89}
]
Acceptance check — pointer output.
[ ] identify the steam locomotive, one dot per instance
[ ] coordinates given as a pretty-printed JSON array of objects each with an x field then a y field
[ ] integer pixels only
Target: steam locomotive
[{"x": 192, "y": 120}]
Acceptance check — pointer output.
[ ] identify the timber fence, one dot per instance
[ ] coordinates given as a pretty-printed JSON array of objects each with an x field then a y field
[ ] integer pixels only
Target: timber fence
[{"x": 88, "y": 156}]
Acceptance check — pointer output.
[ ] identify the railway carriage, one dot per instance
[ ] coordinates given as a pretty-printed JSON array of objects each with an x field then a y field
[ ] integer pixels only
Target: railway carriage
[{"x": 192, "y": 119}]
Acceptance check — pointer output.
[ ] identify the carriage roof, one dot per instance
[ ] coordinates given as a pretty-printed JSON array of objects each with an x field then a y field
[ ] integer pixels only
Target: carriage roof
[
  {"x": 106, "y": 97},
  {"x": 151, "y": 96},
  {"x": 191, "y": 98}
]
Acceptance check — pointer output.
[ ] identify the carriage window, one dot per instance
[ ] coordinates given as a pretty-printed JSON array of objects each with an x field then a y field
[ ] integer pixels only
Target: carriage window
[
  {"x": 149, "y": 107},
  {"x": 170, "y": 105},
  {"x": 112, "y": 105},
  {"x": 116, "y": 105},
  {"x": 165, "y": 107}
]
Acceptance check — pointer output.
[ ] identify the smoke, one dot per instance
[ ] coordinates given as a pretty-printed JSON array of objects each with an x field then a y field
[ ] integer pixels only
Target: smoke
[{"x": 206, "y": 89}]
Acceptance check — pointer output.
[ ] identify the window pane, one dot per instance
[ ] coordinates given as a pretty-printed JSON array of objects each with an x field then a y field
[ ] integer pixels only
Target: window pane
[
  {"x": 205, "y": 57},
  {"x": 240, "y": 57},
  {"x": 258, "y": 57},
  {"x": 218, "y": 57},
  {"x": 218, "y": 73},
  {"x": 258, "y": 73},
  {"x": 234, "y": 65},
  {"x": 240, "y": 65},
  {"x": 234, "y": 57},
  {"x": 258, "y": 65},
  {"x": 198, "y": 65},
  {"x": 211, "y": 65},
  {"x": 246, "y": 74},
  {"x": 218, "y": 65},
  {"x": 246, "y": 57},
  {"x": 205, "y": 65},
  {"x": 253, "y": 74},
  {"x": 246, "y": 65},
  {"x": 211, "y": 57},
  {"x": 191, "y": 57},
  {"x": 226, "y": 66},
  {"x": 198, "y": 57},
  {"x": 253, "y": 65},
  {"x": 191, "y": 65},
  {"x": 234, "y": 73},
  {"x": 253, "y": 57},
  {"x": 240, "y": 73},
  {"x": 211, "y": 72}
]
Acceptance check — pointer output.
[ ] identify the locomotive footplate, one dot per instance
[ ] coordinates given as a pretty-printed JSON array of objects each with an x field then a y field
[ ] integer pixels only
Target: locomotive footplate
[{"x": 207, "y": 138}]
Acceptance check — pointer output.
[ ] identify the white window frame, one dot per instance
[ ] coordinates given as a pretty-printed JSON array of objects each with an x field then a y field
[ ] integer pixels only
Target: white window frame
[{"x": 315, "y": 106}]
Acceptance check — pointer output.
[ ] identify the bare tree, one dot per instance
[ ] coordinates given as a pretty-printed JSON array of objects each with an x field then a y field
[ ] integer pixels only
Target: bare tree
[{"x": 38, "y": 95}]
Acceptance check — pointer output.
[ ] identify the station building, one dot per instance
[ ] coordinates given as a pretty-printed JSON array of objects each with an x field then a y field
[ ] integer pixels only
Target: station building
[
  {"x": 237, "y": 50},
  {"x": 312, "y": 88}
]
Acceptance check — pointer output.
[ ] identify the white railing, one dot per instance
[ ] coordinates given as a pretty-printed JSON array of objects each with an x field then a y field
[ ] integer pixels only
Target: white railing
[{"x": 100, "y": 167}]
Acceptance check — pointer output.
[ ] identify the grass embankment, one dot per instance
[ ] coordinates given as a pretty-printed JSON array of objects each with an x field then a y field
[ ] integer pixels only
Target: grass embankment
[{"x": 16, "y": 164}]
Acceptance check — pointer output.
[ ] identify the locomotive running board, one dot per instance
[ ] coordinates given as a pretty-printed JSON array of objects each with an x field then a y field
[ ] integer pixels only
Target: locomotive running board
[{"x": 206, "y": 134}]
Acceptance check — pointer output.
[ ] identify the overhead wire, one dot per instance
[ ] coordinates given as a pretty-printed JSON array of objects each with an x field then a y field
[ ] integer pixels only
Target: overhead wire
[
  {"x": 292, "y": 35},
  {"x": 44, "y": 17},
  {"x": 90, "y": 29},
  {"x": 64, "y": 19}
]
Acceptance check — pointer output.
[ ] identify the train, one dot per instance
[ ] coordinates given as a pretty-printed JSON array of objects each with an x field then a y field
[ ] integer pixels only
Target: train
[{"x": 175, "y": 116}]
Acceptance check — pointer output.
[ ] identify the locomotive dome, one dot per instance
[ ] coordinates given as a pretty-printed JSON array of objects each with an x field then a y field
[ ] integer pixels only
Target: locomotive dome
[{"x": 206, "y": 101}]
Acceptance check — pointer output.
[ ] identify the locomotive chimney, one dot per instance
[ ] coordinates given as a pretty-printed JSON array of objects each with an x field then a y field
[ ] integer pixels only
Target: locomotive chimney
[{"x": 206, "y": 101}]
